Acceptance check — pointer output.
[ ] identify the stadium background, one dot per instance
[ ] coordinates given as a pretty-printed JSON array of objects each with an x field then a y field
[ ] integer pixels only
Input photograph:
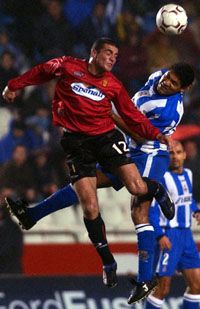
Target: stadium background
[{"x": 57, "y": 247}]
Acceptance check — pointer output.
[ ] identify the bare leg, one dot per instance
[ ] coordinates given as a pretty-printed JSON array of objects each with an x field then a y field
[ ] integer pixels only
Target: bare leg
[
  {"x": 87, "y": 193},
  {"x": 132, "y": 179},
  {"x": 191, "y": 297}
]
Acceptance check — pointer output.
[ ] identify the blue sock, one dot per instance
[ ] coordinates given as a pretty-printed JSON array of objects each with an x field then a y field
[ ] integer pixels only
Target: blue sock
[
  {"x": 63, "y": 198},
  {"x": 153, "y": 302},
  {"x": 146, "y": 247},
  {"x": 191, "y": 301}
]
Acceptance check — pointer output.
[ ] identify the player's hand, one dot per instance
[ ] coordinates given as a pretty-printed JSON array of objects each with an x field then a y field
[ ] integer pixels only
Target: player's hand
[
  {"x": 166, "y": 139},
  {"x": 164, "y": 243},
  {"x": 196, "y": 215},
  {"x": 8, "y": 95}
]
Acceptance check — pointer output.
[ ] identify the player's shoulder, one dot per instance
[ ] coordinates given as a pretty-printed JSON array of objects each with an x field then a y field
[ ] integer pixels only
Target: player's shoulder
[
  {"x": 113, "y": 78},
  {"x": 188, "y": 171},
  {"x": 74, "y": 66},
  {"x": 112, "y": 82},
  {"x": 168, "y": 174},
  {"x": 157, "y": 74},
  {"x": 73, "y": 60}
]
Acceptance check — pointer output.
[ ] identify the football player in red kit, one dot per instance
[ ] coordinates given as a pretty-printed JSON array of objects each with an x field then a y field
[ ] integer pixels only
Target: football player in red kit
[{"x": 82, "y": 106}]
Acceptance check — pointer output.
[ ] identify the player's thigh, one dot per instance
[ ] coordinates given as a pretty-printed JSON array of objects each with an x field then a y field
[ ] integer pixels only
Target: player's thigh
[
  {"x": 192, "y": 279},
  {"x": 86, "y": 191},
  {"x": 153, "y": 165},
  {"x": 132, "y": 179}
]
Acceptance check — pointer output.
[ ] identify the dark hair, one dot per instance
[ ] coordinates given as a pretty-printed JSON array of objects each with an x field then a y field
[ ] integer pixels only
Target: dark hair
[
  {"x": 99, "y": 43},
  {"x": 184, "y": 72}
]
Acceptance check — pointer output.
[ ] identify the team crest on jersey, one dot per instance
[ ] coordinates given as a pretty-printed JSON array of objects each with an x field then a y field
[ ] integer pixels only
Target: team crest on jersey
[
  {"x": 87, "y": 91},
  {"x": 105, "y": 83},
  {"x": 78, "y": 73}
]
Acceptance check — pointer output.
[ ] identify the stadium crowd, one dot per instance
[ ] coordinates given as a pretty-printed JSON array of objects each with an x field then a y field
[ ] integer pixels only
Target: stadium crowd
[{"x": 28, "y": 141}]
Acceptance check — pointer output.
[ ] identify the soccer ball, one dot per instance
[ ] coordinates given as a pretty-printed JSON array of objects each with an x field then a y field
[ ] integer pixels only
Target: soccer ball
[{"x": 171, "y": 19}]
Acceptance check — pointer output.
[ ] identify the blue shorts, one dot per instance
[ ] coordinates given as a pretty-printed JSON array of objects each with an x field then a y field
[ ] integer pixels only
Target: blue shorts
[
  {"x": 182, "y": 255},
  {"x": 153, "y": 165}
]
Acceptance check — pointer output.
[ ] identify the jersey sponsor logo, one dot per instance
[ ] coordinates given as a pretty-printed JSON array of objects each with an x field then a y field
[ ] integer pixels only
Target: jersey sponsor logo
[
  {"x": 183, "y": 199},
  {"x": 87, "y": 91}
]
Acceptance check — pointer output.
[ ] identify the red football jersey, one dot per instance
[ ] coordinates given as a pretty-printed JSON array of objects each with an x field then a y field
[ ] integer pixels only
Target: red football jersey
[{"x": 82, "y": 101}]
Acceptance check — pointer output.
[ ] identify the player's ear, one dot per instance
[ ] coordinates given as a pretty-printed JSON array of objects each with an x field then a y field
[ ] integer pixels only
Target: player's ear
[
  {"x": 184, "y": 89},
  {"x": 93, "y": 53}
]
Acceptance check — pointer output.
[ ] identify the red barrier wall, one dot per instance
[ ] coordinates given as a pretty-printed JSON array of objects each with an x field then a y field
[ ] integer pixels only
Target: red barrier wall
[{"x": 70, "y": 259}]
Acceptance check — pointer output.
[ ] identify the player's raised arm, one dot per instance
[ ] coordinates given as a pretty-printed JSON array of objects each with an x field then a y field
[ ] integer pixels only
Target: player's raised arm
[{"x": 39, "y": 74}]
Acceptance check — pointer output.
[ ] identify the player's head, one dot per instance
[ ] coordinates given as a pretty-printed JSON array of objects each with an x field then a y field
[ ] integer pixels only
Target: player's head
[
  {"x": 177, "y": 157},
  {"x": 103, "y": 55},
  {"x": 178, "y": 78},
  {"x": 184, "y": 72}
]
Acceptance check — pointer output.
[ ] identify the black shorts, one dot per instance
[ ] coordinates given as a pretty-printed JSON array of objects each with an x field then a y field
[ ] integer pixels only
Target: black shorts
[{"x": 84, "y": 152}]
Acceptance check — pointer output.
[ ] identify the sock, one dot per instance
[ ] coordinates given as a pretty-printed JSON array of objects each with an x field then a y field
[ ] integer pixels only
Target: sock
[
  {"x": 153, "y": 302},
  {"x": 191, "y": 301},
  {"x": 97, "y": 235},
  {"x": 63, "y": 198},
  {"x": 146, "y": 246}
]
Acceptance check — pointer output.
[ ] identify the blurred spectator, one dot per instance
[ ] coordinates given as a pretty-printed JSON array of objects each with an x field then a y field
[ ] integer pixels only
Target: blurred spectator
[
  {"x": 132, "y": 62},
  {"x": 187, "y": 47},
  {"x": 40, "y": 124},
  {"x": 113, "y": 10},
  {"x": 11, "y": 245},
  {"x": 6, "y": 45},
  {"x": 54, "y": 34},
  {"x": 24, "y": 13},
  {"x": 18, "y": 134},
  {"x": 18, "y": 174},
  {"x": 192, "y": 111},
  {"x": 7, "y": 71},
  {"x": 127, "y": 21},
  {"x": 161, "y": 53},
  {"x": 45, "y": 174},
  {"x": 5, "y": 119},
  {"x": 192, "y": 162},
  {"x": 195, "y": 28},
  {"x": 77, "y": 11},
  {"x": 94, "y": 26}
]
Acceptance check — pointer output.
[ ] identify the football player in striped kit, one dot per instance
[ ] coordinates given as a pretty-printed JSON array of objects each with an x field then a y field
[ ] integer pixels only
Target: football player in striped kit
[
  {"x": 176, "y": 249},
  {"x": 161, "y": 100}
]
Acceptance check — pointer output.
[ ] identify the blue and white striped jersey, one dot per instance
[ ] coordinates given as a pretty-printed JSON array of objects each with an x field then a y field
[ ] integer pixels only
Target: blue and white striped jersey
[
  {"x": 164, "y": 112},
  {"x": 180, "y": 188}
]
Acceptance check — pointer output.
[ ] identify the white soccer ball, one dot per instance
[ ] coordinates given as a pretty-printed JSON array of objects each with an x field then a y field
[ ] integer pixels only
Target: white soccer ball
[{"x": 171, "y": 19}]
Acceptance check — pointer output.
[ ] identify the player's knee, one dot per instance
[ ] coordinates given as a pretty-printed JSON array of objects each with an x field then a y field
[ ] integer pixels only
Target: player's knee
[
  {"x": 137, "y": 187},
  {"x": 91, "y": 211}
]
